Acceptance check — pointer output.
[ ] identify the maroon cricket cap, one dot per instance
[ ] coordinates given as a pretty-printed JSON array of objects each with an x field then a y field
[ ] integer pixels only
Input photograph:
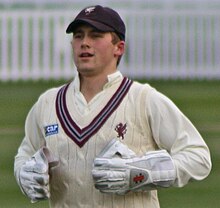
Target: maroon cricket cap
[{"x": 104, "y": 19}]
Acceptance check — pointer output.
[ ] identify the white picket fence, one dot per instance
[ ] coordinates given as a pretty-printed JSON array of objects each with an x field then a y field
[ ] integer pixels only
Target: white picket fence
[{"x": 167, "y": 43}]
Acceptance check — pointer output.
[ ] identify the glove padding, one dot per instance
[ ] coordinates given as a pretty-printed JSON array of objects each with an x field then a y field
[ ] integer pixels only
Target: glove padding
[
  {"x": 34, "y": 175},
  {"x": 119, "y": 172}
]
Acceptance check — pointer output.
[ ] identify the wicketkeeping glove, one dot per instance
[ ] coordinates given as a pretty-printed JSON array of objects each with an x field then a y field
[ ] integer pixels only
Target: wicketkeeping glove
[
  {"x": 118, "y": 170},
  {"x": 34, "y": 175}
]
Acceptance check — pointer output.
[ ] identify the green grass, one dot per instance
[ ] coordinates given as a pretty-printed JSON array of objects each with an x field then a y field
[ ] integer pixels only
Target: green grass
[
  {"x": 199, "y": 100},
  {"x": 16, "y": 100}
]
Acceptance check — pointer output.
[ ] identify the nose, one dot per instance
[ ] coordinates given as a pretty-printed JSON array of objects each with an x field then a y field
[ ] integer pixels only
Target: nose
[{"x": 85, "y": 42}]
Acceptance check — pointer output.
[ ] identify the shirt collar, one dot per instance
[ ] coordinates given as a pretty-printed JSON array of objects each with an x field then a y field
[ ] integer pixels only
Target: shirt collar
[{"x": 112, "y": 78}]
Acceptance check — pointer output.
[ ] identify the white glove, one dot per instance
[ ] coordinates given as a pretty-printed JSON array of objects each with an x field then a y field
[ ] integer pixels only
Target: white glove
[
  {"x": 120, "y": 172},
  {"x": 34, "y": 175}
]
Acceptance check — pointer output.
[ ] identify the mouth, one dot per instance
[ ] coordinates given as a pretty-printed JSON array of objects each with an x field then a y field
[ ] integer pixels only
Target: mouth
[{"x": 86, "y": 55}]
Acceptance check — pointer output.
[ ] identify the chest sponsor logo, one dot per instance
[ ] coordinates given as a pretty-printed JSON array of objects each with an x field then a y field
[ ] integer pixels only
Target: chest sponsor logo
[{"x": 51, "y": 129}]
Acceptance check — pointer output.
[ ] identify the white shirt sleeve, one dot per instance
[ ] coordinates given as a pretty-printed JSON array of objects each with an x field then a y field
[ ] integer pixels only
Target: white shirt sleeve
[
  {"x": 32, "y": 141},
  {"x": 173, "y": 131}
]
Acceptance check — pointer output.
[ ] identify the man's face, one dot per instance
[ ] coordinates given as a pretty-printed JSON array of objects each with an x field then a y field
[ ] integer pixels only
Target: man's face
[{"x": 94, "y": 52}]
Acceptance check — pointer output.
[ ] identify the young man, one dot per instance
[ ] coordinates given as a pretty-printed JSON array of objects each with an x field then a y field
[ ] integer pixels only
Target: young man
[{"x": 103, "y": 140}]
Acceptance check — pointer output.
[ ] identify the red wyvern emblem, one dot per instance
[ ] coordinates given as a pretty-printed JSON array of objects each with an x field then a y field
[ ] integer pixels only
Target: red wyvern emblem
[{"x": 121, "y": 129}]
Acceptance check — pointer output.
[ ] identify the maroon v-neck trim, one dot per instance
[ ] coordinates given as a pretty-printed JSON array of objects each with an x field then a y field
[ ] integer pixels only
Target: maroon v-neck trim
[{"x": 81, "y": 136}]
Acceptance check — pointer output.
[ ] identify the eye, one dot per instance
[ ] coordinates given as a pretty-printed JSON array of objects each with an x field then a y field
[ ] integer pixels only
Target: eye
[
  {"x": 97, "y": 35},
  {"x": 77, "y": 35}
]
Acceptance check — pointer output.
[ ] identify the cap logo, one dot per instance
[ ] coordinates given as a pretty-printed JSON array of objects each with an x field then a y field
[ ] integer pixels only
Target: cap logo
[{"x": 89, "y": 10}]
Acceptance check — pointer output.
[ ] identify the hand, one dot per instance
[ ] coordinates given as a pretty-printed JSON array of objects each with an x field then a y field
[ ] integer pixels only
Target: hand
[
  {"x": 120, "y": 175},
  {"x": 34, "y": 175}
]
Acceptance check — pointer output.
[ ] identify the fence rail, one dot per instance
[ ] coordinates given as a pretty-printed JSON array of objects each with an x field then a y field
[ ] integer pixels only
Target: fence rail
[{"x": 160, "y": 44}]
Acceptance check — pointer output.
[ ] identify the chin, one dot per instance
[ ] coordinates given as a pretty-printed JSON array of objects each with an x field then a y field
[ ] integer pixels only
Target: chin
[{"x": 86, "y": 71}]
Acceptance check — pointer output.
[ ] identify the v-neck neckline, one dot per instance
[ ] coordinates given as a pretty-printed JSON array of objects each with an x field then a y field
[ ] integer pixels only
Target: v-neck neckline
[{"x": 81, "y": 135}]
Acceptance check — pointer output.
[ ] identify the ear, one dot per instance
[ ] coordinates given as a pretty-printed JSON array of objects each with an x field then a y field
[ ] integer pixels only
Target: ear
[{"x": 119, "y": 48}]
